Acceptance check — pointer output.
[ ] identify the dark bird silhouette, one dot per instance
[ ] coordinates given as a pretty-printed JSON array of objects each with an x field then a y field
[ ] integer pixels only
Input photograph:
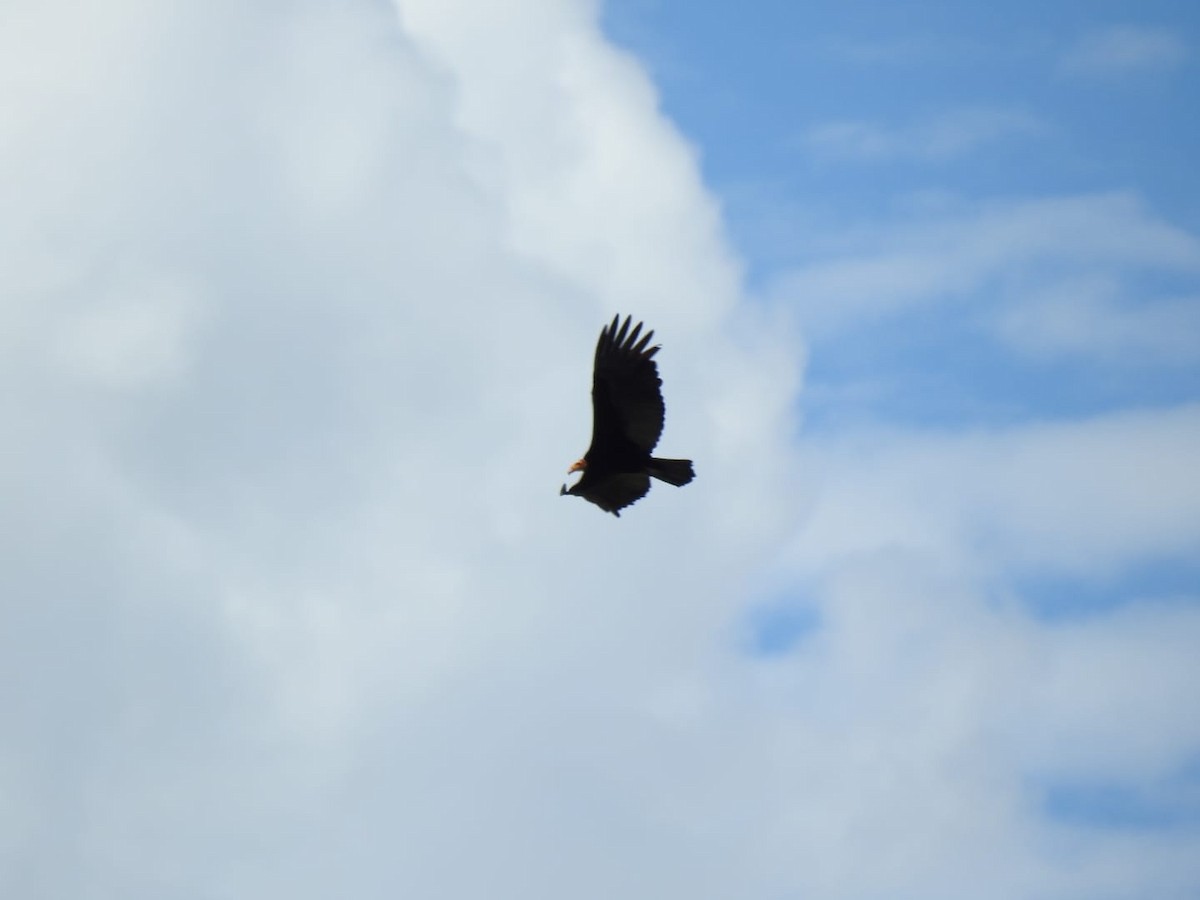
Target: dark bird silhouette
[{"x": 627, "y": 421}]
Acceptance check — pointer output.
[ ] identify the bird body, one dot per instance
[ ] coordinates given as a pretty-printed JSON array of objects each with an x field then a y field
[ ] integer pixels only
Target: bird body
[{"x": 627, "y": 421}]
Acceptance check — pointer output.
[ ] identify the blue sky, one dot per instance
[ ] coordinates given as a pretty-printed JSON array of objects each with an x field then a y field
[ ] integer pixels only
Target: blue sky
[
  {"x": 297, "y": 307},
  {"x": 1082, "y": 96},
  {"x": 816, "y": 122}
]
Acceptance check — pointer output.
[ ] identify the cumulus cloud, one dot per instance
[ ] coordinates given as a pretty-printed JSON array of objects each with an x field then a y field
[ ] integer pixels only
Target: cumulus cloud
[{"x": 298, "y": 302}]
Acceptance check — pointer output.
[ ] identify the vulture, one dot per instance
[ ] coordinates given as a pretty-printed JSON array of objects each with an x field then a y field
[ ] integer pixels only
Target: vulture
[{"x": 627, "y": 420}]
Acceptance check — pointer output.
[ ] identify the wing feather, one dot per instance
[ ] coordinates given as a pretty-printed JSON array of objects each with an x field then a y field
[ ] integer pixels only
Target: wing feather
[{"x": 626, "y": 390}]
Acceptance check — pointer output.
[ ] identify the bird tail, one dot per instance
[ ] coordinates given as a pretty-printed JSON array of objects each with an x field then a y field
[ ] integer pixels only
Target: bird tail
[{"x": 673, "y": 471}]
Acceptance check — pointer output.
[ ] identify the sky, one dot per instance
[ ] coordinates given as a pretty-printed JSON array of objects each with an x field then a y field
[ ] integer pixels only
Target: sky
[{"x": 297, "y": 307}]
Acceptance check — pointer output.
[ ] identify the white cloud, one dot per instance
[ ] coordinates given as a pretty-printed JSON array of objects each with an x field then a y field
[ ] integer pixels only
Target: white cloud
[
  {"x": 301, "y": 308},
  {"x": 949, "y": 702},
  {"x": 1078, "y": 498},
  {"x": 1012, "y": 251},
  {"x": 573, "y": 147},
  {"x": 1118, "y": 49},
  {"x": 1090, "y": 317},
  {"x": 297, "y": 322},
  {"x": 133, "y": 334},
  {"x": 947, "y": 136}
]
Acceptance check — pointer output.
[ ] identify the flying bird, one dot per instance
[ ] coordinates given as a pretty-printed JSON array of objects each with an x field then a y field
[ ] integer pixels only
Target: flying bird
[{"x": 627, "y": 421}]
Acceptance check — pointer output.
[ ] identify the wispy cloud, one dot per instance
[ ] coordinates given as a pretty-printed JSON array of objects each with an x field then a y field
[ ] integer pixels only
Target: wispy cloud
[
  {"x": 1097, "y": 317},
  {"x": 1120, "y": 49},
  {"x": 994, "y": 252},
  {"x": 914, "y": 49},
  {"x": 937, "y": 139}
]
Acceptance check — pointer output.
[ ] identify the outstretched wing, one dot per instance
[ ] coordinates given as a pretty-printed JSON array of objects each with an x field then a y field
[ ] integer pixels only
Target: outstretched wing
[{"x": 626, "y": 390}]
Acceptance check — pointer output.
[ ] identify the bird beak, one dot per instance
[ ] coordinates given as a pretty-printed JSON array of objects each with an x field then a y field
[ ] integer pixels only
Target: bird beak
[{"x": 578, "y": 466}]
